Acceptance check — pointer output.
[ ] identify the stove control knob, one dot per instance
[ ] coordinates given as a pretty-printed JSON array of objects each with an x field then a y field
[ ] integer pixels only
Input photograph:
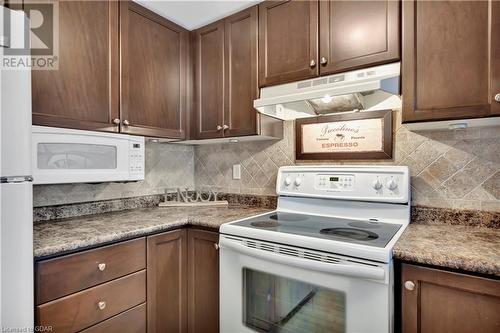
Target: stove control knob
[
  {"x": 298, "y": 181},
  {"x": 288, "y": 181},
  {"x": 377, "y": 184},
  {"x": 391, "y": 185}
]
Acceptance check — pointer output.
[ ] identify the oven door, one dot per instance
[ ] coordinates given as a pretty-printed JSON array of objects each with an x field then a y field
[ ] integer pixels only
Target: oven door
[{"x": 266, "y": 287}]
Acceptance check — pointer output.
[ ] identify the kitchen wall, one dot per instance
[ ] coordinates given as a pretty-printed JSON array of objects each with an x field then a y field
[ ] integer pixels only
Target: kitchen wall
[
  {"x": 167, "y": 166},
  {"x": 450, "y": 169}
]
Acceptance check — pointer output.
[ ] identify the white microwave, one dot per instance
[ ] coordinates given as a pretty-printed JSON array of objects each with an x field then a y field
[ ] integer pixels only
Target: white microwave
[{"x": 63, "y": 155}]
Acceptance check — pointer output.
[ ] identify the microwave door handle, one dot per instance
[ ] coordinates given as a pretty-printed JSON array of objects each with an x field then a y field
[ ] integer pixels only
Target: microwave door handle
[{"x": 354, "y": 270}]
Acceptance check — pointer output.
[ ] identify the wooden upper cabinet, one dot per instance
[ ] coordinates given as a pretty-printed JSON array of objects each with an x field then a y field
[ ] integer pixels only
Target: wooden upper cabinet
[
  {"x": 203, "y": 277},
  {"x": 153, "y": 73},
  {"x": 209, "y": 81},
  {"x": 166, "y": 282},
  {"x": 83, "y": 92},
  {"x": 495, "y": 57},
  {"x": 288, "y": 41},
  {"x": 442, "y": 301},
  {"x": 241, "y": 73},
  {"x": 356, "y": 34},
  {"x": 447, "y": 63}
]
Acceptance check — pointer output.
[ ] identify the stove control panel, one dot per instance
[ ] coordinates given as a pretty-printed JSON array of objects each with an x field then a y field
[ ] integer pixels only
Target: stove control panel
[
  {"x": 338, "y": 182},
  {"x": 364, "y": 183}
]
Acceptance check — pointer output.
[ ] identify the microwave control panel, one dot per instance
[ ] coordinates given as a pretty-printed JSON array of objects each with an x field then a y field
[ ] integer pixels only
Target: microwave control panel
[{"x": 137, "y": 159}]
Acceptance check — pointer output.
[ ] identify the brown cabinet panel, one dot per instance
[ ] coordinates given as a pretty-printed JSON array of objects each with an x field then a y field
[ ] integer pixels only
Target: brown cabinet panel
[
  {"x": 443, "y": 301},
  {"x": 241, "y": 73},
  {"x": 209, "y": 81},
  {"x": 153, "y": 73},
  {"x": 203, "y": 291},
  {"x": 83, "y": 92},
  {"x": 130, "y": 321},
  {"x": 495, "y": 57},
  {"x": 288, "y": 41},
  {"x": 68, "y": 274},
  {"x": 81, "y": 310},
  {"x": 167, "y": 276},
  {"x": 355, "y": 34},
  {"x": 446, "y": 59}
]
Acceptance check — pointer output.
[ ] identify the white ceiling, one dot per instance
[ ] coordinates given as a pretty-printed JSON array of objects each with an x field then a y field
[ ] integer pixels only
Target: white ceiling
[{"x": 192, "y": 14}]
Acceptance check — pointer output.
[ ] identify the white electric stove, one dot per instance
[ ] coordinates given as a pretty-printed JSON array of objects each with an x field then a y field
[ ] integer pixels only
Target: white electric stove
[{"x": 322, "y": 261}]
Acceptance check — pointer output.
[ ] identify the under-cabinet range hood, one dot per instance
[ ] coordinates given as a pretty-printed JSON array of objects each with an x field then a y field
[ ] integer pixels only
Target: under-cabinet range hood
[{"x": 375, "y": 88}]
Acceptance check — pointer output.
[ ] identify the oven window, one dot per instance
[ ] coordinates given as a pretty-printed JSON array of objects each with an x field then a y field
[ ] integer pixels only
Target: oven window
[
  {"x": 278, "y": 304},
  {"x": 75, "y": 156}
]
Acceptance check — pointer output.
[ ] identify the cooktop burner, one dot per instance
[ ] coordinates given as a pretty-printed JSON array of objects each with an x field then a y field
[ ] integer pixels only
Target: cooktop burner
[
  {"x": 288, "y": 217},
  {"x": 371, "y": 233},
  {"x": 353, "y": 233},
  {"x": 365, "y": 224},
  {"x": 265, "y": 224}
]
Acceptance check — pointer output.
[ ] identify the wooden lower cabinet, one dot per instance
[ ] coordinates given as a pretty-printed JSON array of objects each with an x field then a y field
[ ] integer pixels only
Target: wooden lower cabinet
[
  {"x": 167, "y": 277},
  {"x": 78, "y": 311},
  {"x": 167, "y": 282},
  {"x": 440, "y": 301},
  {"x": 130, "y": 321},
  {"x": 203, "y": 281}
]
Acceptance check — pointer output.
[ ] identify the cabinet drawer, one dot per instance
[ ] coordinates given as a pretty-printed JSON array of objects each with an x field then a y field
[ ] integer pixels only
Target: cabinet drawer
[
  {"x": 86, "y": 308},
  {"x": 65, "y": 275},
  {"x": 130, "y": 321}
]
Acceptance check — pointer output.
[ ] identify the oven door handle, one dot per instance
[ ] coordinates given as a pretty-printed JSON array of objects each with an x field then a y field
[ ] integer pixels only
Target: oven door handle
[{"x": 347, "y": 269}]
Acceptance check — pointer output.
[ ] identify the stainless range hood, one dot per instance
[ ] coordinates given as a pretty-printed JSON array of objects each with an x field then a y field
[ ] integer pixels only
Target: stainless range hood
[{"x": 375, "y": 88}]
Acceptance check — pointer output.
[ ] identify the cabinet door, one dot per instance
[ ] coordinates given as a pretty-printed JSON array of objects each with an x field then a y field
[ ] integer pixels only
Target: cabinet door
[
  {"x": 288, "y": 41},
  {"x": 166, "y": 282},
  {"x": 203, "y": 291},
  {"x": 495, "y": 57},
  {"x": 241, "y": 73},
  {"x": 355, "y": 34},
  {"x": 446, "y": 59},
  {"x": 443, "y": 301},
  {"x": 83, "y": 92},
  {"x": 209, "y": 81},
  {"x": 153, "y": 73}
]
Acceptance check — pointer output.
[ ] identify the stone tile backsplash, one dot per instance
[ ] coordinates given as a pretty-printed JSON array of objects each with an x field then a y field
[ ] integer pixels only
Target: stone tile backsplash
[
  {"x": 167, "y": 166},
  {"x": 449, "y": 168}
]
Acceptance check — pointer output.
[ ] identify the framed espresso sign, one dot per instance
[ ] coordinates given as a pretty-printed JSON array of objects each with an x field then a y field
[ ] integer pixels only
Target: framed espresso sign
[{"x": 361, "y": 135}]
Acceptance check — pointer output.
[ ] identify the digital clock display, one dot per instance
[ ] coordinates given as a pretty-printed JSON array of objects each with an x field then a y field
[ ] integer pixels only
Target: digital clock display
[{"x": 334, "y": 179}]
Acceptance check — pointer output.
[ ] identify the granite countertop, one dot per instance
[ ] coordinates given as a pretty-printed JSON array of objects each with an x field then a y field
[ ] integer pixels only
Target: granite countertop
[
  {"x": 473, "y": 249},
  {"x": 67, "y": 235},
  {"x": 463, "y": 247}
]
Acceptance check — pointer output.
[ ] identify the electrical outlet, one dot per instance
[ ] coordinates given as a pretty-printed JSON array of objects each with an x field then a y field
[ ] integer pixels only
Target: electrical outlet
[{"x": 236, "y": 171}]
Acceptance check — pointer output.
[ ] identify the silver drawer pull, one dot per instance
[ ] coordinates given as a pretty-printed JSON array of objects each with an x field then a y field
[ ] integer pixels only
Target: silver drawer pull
[
  {"x": 101, "y": 266},
  {"x": 409, "y": 285},
  {"x": 216, "y": 246},
  {"x": 101, "y": 305}
]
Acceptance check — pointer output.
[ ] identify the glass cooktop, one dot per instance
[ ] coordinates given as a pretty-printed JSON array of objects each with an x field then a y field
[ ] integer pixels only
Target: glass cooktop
[{"x": 372, "y": 233}]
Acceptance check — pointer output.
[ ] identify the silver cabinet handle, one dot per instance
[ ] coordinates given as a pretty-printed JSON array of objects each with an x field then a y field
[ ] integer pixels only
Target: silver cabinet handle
[
  {"x": 116, "y": 121},
  {"x": 323, "y": 61},
  {"x": 216, "y": 246},
  {"x": 125, "y": 122},
  {"x": 312, "y": 64},
  {"x": 409, "y": 285},
  {"x": 101, "y": 305},
  {"x": 225, "y": 127},
  {"x": 219, "y": 127},
  {"x": 102, "y": 266},
  {"x": 497, "y": 97}
]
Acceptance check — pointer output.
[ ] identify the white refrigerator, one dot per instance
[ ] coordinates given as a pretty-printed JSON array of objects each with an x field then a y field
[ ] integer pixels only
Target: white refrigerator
[{"x": 16, "y": 189}]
